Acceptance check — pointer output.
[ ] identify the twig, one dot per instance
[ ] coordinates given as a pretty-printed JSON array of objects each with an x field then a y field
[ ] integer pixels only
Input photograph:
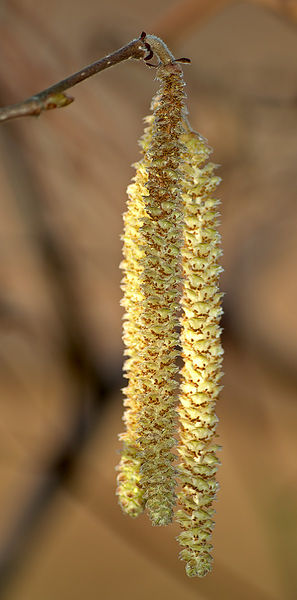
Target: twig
[{"x": 54, "y": 96}]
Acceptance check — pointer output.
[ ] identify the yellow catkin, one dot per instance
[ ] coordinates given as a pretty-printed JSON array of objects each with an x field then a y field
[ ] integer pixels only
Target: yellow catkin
[
  {"x": 172, "y": 247},
  {"x": 202, "y": 355},
  {"x": 129, "y": 492},
  {"x": 161, "y": 241}
]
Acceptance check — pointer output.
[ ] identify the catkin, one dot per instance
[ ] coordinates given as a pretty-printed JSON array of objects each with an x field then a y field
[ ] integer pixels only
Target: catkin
[
  {"x": 172, "y": 310},
  {"x": 161, "y": 241},
  {"x": 129, "y": 491},
  {"x": 202, "y": 356}
]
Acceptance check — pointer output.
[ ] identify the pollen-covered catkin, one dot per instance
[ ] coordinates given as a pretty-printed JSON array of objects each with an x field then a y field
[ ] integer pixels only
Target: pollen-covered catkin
[
  {"x": 161, "y": 241},
  {"x": 173, "y": 310},
  {"x": 129, "y": 492},
  {"x": 202, "y": 355}
]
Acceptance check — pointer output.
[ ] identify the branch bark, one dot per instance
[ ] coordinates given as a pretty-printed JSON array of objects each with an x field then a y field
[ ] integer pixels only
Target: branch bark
[{"x": 55, "y": 97}]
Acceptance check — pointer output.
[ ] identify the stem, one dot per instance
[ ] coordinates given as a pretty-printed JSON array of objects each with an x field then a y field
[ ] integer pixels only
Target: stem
[
  {"x": 54, "y": 96},
  {"x": 159, "y": 47}
]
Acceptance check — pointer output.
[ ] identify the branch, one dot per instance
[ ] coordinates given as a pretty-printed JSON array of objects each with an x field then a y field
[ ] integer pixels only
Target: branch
[{"x": 54, "y": 96}]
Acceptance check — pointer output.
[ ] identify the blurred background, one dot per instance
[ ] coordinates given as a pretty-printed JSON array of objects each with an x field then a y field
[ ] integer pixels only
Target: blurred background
[{"x": 63, "y": 178}]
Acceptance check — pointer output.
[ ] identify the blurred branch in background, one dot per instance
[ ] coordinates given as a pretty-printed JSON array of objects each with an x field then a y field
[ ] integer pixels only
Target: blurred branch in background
[
  {"x": 185, "y": 16},
  {"x": 91, "y": 388},
  {"x": 230, "y": 583},
  {"x": 283, "y": 8},
  {"x": 59, "y": 468}
]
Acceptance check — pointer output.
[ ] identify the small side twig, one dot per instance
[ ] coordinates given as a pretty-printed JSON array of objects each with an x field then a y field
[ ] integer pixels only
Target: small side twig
[{"x": 54, "y": 96}]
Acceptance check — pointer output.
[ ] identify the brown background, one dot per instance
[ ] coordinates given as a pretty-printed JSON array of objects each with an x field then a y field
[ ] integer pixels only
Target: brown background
[{"x": 64, "y": 537}]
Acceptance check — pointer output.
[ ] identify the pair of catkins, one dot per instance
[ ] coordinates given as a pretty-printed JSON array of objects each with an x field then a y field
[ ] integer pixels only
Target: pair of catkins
[{"x": 172, "y": 326}]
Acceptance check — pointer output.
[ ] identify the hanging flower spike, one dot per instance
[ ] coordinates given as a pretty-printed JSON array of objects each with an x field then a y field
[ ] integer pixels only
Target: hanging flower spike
[
  {"x": 129, "y": 492},
  {"x": 171, "y": 244},
  {"x": 202, "y": 355},
  {"x": 161, "y": 239}
]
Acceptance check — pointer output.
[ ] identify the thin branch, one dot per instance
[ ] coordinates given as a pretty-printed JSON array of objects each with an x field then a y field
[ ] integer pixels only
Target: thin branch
[{"x": 54, "y": 96}]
